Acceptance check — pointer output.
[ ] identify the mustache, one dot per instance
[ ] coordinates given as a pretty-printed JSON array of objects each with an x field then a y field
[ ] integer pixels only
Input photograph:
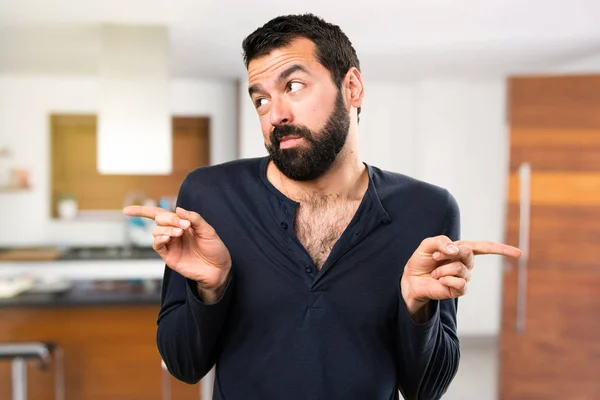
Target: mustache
[{"x": 281, "y": 131}]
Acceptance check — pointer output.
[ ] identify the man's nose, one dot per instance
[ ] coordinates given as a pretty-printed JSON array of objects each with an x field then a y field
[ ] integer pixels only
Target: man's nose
[{"x": 280, "y": 112}]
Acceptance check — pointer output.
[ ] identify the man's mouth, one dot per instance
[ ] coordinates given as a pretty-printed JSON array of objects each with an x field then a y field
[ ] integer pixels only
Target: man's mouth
[{"x": 287, "y": 142}]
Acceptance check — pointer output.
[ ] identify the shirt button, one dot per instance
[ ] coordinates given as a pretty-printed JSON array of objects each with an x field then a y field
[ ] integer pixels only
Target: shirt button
[
  {"x": 308, "y": 269},
  {"x": 284, "y": 225}
]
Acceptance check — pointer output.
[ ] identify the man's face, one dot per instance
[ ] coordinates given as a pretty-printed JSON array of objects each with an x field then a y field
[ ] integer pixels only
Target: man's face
[{"x": 302, "y": 113}]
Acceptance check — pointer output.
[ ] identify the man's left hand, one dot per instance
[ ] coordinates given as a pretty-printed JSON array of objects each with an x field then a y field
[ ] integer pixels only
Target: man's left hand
[{"x": 441, "y": 269}]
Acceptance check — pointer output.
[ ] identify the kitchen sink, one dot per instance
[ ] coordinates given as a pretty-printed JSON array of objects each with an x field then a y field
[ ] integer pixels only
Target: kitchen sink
[{"x": 109, "y": 253}]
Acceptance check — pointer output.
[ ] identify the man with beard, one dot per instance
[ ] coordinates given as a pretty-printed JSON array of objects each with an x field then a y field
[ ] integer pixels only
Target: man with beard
[{"x": 308, "y": 274}]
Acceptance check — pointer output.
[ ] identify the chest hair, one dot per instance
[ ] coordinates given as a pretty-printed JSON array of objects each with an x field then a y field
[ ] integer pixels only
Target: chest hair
[{"x": 320, "y": 222}]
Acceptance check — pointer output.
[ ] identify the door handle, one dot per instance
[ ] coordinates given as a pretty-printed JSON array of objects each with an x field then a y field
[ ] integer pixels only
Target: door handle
[{"x": 524, "y": 229}]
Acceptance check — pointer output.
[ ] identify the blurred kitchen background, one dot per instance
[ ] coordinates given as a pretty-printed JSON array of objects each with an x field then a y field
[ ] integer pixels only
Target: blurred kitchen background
[{"x": 109, "y": 103}]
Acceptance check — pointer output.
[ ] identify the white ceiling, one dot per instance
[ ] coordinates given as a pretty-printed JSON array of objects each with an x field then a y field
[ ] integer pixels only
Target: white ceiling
[{"x": 395, "y": 40}]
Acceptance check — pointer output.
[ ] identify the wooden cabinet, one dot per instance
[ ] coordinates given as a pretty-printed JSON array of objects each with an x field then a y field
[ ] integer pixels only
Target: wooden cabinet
[{"x": 109, "y": 352}]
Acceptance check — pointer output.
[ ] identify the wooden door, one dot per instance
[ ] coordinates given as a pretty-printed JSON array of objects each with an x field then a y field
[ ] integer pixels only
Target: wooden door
[{"x": 551, "y": 350}]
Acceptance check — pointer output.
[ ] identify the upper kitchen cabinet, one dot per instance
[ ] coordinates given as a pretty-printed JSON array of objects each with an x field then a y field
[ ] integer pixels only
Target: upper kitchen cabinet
[
  {"x": 134, "y": 123},
  {"x": 74, "y": 173}
]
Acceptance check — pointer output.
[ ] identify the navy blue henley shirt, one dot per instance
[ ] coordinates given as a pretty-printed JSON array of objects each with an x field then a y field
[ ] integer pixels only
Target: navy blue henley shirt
[{"x": 285, "y": 331}]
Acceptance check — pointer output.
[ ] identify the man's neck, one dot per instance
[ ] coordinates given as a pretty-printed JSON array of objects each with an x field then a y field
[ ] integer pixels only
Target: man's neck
[{"x": 346, "y": 180}]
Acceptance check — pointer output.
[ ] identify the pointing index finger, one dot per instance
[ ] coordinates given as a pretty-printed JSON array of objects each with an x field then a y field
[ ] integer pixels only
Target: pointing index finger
[
  {"x": 480, "y": 248},
  {"x": 142, "y": 211}
]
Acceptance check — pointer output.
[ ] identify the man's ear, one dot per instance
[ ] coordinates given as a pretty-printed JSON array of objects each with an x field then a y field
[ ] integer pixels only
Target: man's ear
[{"x": 353, "y": 87}]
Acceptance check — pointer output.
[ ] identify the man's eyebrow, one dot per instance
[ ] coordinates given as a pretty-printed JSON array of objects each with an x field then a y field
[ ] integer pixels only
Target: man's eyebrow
[
  {"x": 287, "y": 72},
  {"x": 256, "y": 88}
]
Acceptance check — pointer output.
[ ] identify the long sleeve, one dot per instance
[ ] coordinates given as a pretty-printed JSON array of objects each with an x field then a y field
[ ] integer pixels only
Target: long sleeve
[
  {"x": 429, "y": 353},
  {"x": 188, "y": 329}
]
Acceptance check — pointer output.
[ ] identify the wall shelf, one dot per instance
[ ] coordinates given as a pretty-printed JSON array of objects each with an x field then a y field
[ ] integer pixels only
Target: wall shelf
[{"x": 10, "y": 189}]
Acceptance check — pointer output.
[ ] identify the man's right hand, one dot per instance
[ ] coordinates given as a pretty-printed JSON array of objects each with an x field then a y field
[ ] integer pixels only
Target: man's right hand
[{"x": 189, "y": 246}]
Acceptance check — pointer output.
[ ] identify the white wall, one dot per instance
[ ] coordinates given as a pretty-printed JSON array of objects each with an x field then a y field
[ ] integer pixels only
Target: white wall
[
  {"x": 25, "y": 105},
  {"x": 450, "y": 133},
  {"x": 462, "y": 144},
  {"x": 589, "y": 64},
  {"x": 250, "y": 135}
]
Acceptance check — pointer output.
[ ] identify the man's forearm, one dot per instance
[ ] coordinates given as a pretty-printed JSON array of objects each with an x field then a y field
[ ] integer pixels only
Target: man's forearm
[{"x": 429, "y": 352}]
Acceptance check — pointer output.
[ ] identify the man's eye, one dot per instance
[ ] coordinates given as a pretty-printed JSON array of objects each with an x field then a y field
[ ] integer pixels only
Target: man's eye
[
  {"x": 260, "y": 102},
  {"x": 295, "y": 86}
]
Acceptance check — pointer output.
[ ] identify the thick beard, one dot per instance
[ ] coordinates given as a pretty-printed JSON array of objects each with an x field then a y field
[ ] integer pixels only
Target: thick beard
[{"x": 305, "y": 163}]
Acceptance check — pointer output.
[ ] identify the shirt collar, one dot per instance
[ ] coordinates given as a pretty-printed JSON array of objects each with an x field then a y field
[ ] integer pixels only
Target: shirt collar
[{"x": 372, "y": 199}]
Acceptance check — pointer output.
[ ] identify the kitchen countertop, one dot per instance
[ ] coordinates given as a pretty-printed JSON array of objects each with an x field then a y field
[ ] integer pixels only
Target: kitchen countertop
[
  {"x": 94, "y": 276},
  {"x": 91, "y": 294},
  {"x": 27, "y": 254},
  {"x": 82, "y": 263}
]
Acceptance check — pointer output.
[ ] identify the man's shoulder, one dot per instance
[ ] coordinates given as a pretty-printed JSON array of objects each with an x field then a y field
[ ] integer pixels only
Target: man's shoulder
[
  {"x": 413, "y": 199},
  {"x": 209, "y": 188},
  {"x": 394, "y": 184},
  {"x": 231, "y": 172}
]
